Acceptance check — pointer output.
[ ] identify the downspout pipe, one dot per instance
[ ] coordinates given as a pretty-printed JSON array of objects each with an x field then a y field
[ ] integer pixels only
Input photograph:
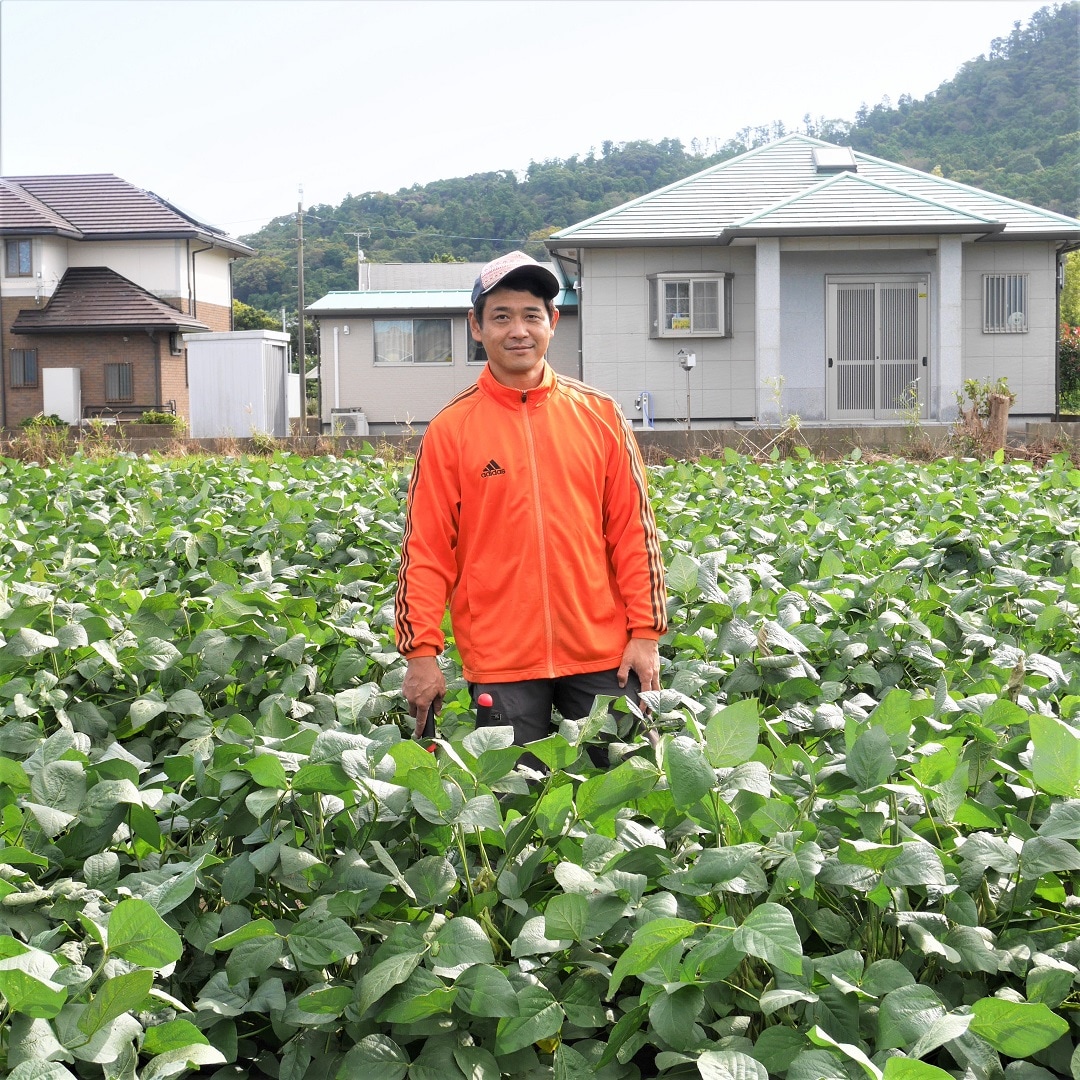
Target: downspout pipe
[
  {"x": 155, "y": 344},
  {"x": 580, "y": 320}
]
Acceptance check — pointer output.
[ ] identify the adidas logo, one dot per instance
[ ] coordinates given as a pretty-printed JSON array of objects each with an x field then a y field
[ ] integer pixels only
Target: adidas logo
[{"x": 492, "y": 468}]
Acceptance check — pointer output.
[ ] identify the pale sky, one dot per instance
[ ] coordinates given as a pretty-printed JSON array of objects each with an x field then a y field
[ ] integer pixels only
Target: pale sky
[{"x": 227, "y": 107}]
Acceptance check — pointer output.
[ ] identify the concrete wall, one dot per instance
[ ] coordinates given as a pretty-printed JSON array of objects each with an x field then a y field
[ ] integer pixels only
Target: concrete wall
[
  {"x": 621, "y": 359},
  {"x": 1027, "y": 360}
]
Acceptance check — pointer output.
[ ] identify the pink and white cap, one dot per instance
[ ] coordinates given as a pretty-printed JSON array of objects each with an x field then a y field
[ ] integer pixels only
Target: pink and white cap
[{"x": 520, "y": 265}]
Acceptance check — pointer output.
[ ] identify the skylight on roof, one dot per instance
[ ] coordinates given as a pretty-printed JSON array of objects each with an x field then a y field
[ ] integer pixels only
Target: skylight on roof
[{"x": 834, "y": 159}]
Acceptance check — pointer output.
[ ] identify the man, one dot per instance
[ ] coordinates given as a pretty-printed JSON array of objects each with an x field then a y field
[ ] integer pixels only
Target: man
[{"x": 528, "y": 511}]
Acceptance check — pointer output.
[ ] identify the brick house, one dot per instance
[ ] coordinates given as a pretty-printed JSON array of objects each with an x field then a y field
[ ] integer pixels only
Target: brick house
[{"x": 99, "y": 282}]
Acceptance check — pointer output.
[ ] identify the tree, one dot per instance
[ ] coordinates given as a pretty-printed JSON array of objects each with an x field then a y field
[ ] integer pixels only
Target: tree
[
  {"x": 1070, "y": 294},
  {"x": 247, "y": 317}
]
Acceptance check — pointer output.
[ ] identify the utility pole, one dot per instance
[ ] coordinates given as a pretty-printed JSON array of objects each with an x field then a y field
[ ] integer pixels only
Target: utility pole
[
  {"x": 360, "y": 259},
  {"x": 301, "y": 347}
]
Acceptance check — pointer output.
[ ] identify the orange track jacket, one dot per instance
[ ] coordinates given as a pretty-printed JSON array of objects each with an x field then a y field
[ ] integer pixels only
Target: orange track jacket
[{"x": 528, "y": 511}]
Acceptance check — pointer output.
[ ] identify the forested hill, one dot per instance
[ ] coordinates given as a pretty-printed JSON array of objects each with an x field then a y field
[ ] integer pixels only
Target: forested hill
[{"x": 1009, "y": 122}]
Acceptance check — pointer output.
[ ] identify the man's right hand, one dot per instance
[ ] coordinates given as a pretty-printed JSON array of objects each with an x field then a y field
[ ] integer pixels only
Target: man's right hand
[{"x": 424, "y": 686}]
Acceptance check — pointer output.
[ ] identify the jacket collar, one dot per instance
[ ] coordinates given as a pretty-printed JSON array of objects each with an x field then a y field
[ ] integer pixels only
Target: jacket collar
[{"x": 511, "y": 397}]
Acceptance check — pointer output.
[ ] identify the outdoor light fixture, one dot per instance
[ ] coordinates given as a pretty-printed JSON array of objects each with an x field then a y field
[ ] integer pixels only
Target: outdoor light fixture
[{"x": 687, "y": 360}]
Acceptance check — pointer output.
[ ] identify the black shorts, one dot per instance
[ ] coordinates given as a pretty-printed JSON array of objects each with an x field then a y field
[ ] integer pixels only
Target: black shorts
[{"x": 527, "y": 706}]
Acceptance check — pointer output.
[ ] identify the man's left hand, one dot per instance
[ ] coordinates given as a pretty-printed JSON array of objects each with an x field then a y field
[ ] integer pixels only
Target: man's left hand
[{"x": 641, "y": 655}]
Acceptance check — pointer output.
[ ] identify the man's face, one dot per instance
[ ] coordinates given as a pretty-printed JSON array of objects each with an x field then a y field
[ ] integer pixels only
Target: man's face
[{"x": 515, "y": 334}]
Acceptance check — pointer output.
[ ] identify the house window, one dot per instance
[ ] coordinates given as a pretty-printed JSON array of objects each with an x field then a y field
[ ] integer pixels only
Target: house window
[
  {"x": 119, "y": 382},
  {"x": 413, "y": 341},
  {"x": 24, "y": 367},
  {"x": 17, "y": 261},
  {"x": 1005, "y": 304},
  {"x": 690, "y": 305}
]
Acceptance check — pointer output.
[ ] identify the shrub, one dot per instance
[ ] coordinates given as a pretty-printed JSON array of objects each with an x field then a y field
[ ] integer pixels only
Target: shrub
[
  {"x": 41, "y": 420},
  {"x": 1069, "y": 366},
  {"x": 162, "y": 419}
]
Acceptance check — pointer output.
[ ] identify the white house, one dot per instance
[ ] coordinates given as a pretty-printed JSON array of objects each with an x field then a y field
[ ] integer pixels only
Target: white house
[{"x": 806, "y": 278}]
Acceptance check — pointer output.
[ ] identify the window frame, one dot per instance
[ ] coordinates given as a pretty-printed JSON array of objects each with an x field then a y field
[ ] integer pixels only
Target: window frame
[
  {"x": 17, "y": 244},
  {"x": 24, "y": 383},
  {"x": 120, "y": 398},
  {"x": 1004, "y": 296},
  {"x": 658, "y": 284},
  {"x": 409, "y": 358}
]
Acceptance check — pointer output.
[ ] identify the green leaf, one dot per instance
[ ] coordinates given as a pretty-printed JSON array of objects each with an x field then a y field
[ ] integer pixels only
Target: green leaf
[
  {"x": 870, "y": 761},
  {"x": 325, "y": 1000},
  {"x": 462, "y": 942},
  {"x": 731, "y": 735},
  {"x": 769, "y": 933},
  {"x": 566, "y": 916},
  {"x": 40, "y": 1070},
  {"x": 568, "y": 1064},
  {"x": 689, "y": 774},
  {"x": 1017, "y": 1029},
  {"x": 34, "y": 997},
  {"x": 317, "y": 943},
  {"x": 484, "y": 990},
  {"x": 138, "y": 934},
  {"x": 915, "y": 864},
  {"x": 1055, "y": 762},
  {"x": 907, "y": 1014},
  {"x": 267, "y": 771},
  {"x": 384, "y": 976},
  {"x": 120, "y": 994},
  {"x": 646, "y": 946},
  {"x": 599, "y": 795},
  {"x": 539, "y": 1017},
  {"x": 1047, "y": 855},
  {"x": 172, "y": 1035},
  {"x": 730, "y": 1065},
  {"x": 682, "y": 575},
  {"x": 182, "y": 1060},
  {"x": 673, "y": 1016},
  {"x": 254, "y": 929},
  {"x": 374, "y": 1056},
  {"x": 625, "y": 1028},
  {"x": 432, "y": 880}
]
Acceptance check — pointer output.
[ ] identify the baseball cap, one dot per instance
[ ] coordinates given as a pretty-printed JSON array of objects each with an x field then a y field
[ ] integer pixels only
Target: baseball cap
[{"x": 517, "y": 265}]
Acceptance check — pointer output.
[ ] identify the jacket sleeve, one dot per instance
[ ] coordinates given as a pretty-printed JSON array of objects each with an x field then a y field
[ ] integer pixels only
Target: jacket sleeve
[
  {"x": 428, "y": 549},
  {"x": 632, "y": 539}
]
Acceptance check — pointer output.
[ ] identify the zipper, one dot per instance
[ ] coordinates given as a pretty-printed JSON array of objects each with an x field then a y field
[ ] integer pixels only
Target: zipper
[{"x": 545, "y": 596}]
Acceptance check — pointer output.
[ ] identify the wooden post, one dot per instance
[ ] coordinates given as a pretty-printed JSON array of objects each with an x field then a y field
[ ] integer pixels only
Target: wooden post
[{"x": 998, "y": 423}]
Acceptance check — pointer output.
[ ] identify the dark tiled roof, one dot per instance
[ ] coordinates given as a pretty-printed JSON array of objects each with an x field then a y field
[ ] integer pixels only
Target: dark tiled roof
[
  {"x": 97, "y": 298},
  {"x": 20, "y": 212},
  {"x": 97, "y": 207}
]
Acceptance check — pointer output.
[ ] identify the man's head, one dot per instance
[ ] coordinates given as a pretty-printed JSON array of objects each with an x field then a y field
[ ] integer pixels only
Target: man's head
[{"x": 519, "y": 272}]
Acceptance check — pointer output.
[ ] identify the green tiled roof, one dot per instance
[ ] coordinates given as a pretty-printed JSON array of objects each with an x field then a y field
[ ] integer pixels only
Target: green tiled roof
[{"x": 387, "y": 302}]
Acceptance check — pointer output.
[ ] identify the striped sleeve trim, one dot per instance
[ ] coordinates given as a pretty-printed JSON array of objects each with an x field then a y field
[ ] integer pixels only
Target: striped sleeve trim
[
  {"x": 404, "y": 623},
  {"x": 657, "y": 588}
]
